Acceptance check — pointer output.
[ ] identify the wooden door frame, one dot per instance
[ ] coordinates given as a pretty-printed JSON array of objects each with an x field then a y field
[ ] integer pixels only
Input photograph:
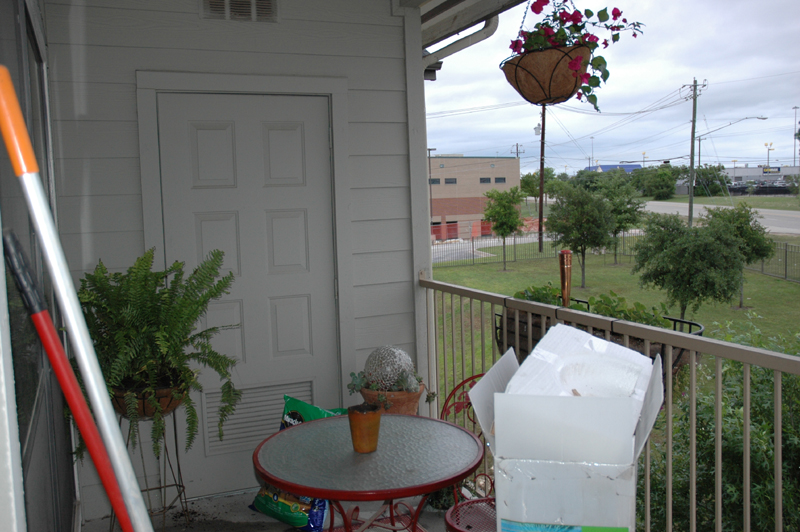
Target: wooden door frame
[{"x": 149, "y": 84}]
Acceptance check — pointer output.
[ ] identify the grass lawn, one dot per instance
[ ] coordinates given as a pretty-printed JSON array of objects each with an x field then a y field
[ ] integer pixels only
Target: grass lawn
[
  {"x": 788, "y": 239},
  {"x": 773, "y": 299},
  {"x": 781, "y": 203}
]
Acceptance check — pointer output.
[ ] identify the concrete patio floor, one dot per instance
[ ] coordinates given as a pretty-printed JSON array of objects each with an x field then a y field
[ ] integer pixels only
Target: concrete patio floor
[{"x": 232, "y": 513}]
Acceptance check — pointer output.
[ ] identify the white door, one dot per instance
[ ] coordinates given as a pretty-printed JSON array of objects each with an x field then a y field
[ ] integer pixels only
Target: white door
[{"x": 251, "y": 175}]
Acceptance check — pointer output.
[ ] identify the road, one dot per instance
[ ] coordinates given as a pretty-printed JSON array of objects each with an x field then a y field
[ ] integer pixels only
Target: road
[{"x": 777, "y": 222}]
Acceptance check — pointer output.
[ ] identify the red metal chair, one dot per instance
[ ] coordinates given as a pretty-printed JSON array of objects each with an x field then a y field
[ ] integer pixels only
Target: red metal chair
[{"x": 476, "y": 514}]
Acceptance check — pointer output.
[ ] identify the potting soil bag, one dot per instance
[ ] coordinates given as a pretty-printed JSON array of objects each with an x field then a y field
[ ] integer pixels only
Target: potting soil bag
[
  {"x": 304, "y": 513},
  {"x": 296, "y": 411}
]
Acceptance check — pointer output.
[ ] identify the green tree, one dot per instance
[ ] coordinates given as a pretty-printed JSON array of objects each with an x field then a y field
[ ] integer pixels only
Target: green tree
[
  {"x": 529, "y": 183},
  {"x": 587, "y": 179},
  {"x": 579, "y": 221},
  {"x": 691, "y": 264},
  {"x": 742, "y": 221},
  {"x": 502, "y": 210},
  {"x": 710, "y": 181},
  {"x": 626, "y": 205},
  {"x": 660, "y": 184}
]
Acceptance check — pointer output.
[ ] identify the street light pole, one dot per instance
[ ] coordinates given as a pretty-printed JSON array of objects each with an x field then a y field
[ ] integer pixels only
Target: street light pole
[
  {"x": 430, "y": 185},
  {"x": 794, "y": 137},
  {"x": 734, "y": 169},
  {"x": 541, "y": 186},
  {"x": 643, "y": 158},
  {"x": 769, "y": 148}
]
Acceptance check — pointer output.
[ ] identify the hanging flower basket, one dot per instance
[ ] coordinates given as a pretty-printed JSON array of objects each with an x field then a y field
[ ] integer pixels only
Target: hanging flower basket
[{"x": 544, "y": 76}]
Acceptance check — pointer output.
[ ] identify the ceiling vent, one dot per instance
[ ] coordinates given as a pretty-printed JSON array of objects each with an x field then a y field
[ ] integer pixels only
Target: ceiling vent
[{"x": 252, "y": 10}]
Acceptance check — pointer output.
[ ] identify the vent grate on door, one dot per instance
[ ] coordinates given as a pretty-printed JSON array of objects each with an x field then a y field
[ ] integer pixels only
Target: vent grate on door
[
  {"x": 245, "y": 10},
  {"x": 257, "y": 416}
]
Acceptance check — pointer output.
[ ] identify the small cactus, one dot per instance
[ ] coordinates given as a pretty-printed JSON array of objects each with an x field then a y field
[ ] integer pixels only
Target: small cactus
[{"x": 387, "y": 365}]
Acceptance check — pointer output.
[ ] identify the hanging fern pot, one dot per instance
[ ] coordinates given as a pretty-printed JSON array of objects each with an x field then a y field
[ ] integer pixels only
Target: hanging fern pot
[
  {"x": 543, "y": 77},
  {"x": 144, "y": 409}
]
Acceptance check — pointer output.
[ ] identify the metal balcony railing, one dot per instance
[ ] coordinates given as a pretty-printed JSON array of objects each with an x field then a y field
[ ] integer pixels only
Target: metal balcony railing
[{"x": 462, "y": 342}]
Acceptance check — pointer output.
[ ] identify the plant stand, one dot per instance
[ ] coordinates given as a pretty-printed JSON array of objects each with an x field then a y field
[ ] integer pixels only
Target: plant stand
[{"x": 161, "y": 490}]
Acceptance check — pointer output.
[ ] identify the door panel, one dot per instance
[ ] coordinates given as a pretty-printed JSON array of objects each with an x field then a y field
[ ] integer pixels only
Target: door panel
[{"x": 250, "y": 175}]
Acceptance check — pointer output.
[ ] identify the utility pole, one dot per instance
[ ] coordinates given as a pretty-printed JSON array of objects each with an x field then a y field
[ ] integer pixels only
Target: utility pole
[
  {"x": 699, "y": 151},
  {"x": 691, "y": 154},
  {"x": 517, "y": 149},
  {"x": 541, "y": 187}
]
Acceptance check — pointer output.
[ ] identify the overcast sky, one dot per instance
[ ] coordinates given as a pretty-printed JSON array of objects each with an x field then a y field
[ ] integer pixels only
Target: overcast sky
[{"x": 746, "y": 52}]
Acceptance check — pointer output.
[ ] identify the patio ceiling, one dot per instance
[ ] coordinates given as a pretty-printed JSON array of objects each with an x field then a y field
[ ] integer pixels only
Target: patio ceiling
[{"x": 444, "y": 18}]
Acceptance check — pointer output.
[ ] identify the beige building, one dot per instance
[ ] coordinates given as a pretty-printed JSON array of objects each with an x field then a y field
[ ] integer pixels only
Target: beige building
[{"x": 457, "y": 188}]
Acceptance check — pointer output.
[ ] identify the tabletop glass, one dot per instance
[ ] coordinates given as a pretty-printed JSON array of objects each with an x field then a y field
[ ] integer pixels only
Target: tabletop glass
[{"x": 413, "y": 451}]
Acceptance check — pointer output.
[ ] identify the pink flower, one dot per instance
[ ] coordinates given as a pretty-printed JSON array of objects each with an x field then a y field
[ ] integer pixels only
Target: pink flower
[
  {"x": 605, "y": 43},
  {"x": 576, "y": 17},
  {"x": 516, "y": 46},
  {"x": 634, "y": 35},
  {"x": 538, "y": 6},
  {"x": 580, "y": 95},
  {"x": 625, "y": 21},
  {"x": 575, "y": 64},
  {"x": 564, "y": 16},
  {"x": 615, "y": 13},
  {"x": 590, "y": 38},
  {"x": 549, "y": 31},
  {"x": 585, "y": 78},
  {"x": 523, "y": 34}
]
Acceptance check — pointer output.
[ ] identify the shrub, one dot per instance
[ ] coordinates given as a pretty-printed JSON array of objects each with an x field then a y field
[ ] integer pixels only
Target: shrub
[{"x": 610, "y": 305}]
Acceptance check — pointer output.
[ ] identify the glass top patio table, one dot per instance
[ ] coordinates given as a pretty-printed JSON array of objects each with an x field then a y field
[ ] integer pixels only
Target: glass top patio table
[{"x": 416, "y": 455}]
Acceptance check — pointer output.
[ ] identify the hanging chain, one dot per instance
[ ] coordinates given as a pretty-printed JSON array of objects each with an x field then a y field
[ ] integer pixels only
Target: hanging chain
[{"x": 525, "y": 14}]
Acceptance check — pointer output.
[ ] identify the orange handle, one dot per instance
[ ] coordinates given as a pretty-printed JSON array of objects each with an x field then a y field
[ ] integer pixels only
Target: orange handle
[{"x": 12, "y": 126}]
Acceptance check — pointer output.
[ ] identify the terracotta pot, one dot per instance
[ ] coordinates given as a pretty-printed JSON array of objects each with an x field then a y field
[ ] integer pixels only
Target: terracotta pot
[
  {"x": 543, "y": 76},
  {"x": 145, "y": 409},
  {"x": 365, "y": 426},
  {"x": 401, "y": 402}
]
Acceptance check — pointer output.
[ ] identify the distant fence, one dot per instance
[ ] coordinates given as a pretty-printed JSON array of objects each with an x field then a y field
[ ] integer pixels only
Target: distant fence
[
  {"x": 785, "y": 264},
  {"x": 483, "y": 250}
]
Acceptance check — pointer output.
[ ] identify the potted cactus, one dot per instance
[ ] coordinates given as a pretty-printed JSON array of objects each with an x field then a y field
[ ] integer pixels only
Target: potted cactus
[{"x": 389, "y": 379}]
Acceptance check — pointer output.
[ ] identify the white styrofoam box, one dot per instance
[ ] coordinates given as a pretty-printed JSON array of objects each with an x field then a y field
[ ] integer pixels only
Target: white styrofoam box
[
  {"x": 566, "y": 429},
  {"x": 537, "y": 495}
]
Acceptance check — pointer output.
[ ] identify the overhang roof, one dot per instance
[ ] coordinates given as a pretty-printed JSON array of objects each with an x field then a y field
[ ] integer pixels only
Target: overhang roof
[{"x": 444, "y": 18}]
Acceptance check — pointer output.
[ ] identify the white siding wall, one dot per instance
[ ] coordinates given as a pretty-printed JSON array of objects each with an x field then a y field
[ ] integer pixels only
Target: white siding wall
[{"x": 95, "y": 48}]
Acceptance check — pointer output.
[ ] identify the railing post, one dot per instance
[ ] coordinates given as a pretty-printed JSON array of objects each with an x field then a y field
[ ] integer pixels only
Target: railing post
[{"x": 786, "y": 261}]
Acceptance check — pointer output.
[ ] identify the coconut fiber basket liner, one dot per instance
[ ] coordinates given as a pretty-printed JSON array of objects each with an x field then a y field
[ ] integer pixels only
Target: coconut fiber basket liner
[{"x": 543, "y": 76}]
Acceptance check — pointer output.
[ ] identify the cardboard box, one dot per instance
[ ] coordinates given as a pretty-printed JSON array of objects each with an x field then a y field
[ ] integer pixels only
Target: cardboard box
[{"x": 566, "y": 429}]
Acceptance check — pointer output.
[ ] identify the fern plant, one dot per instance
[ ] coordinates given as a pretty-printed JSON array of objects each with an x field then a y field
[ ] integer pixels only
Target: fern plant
[{"x": 143, "y": 324}]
